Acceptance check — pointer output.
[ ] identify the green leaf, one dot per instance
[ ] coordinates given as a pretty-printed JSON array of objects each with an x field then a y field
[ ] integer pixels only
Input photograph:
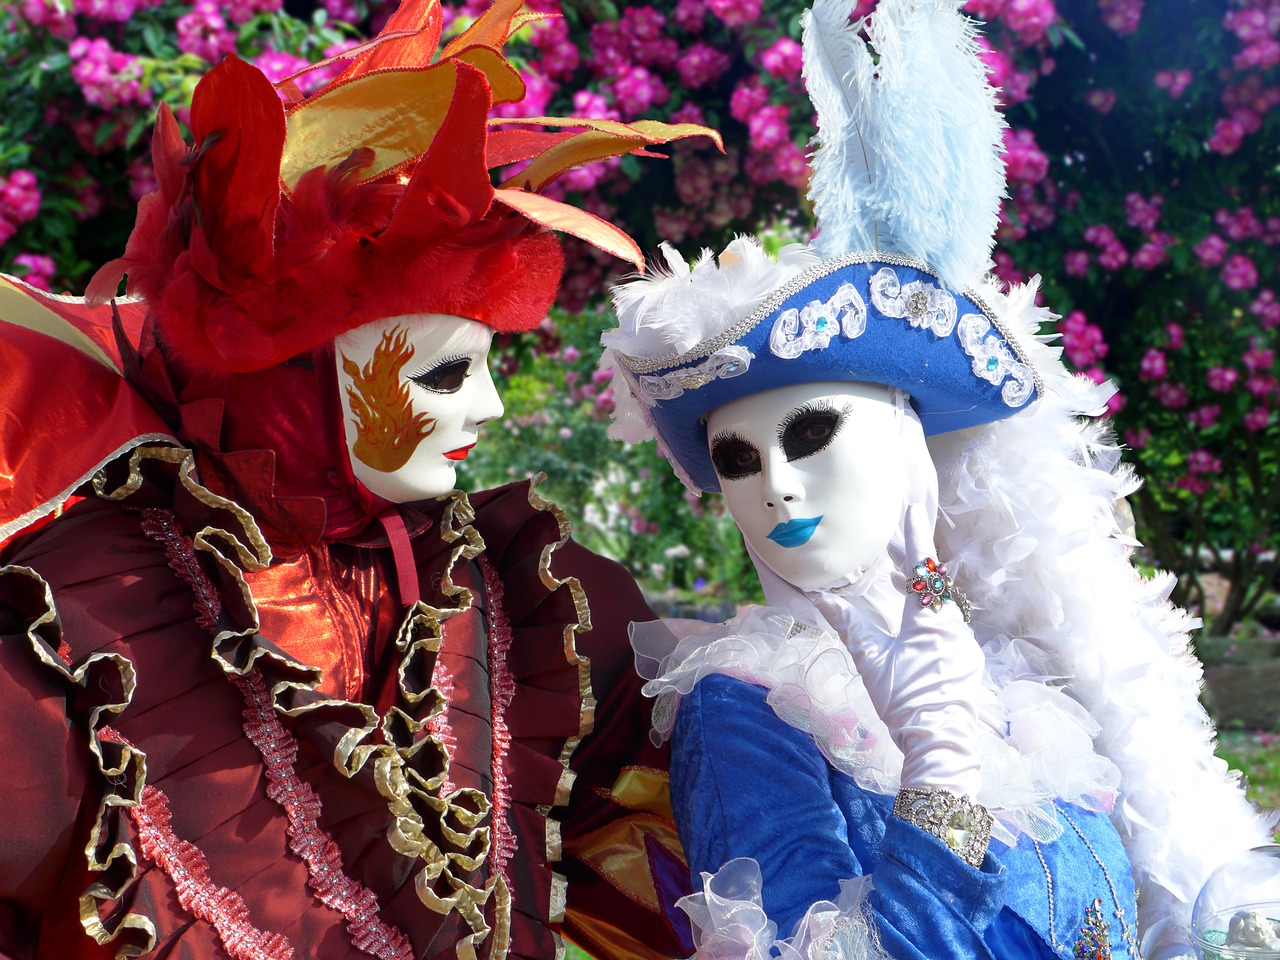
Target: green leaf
[{"x": 105, "y": 132}]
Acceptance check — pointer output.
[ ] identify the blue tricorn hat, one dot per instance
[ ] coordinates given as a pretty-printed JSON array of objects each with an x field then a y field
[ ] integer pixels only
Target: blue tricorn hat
[{"x": 866, "y": 317}]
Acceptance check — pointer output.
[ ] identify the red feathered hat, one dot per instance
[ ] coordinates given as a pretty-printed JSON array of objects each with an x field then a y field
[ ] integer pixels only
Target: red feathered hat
[{"x": 286, "y": 225}]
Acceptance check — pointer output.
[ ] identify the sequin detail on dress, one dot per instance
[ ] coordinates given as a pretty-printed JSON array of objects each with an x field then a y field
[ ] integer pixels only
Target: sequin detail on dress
[
  {"x": 316, "y": 846},
  {"x": 504, "y": 688},
  {"x": 184, "y": 864}
]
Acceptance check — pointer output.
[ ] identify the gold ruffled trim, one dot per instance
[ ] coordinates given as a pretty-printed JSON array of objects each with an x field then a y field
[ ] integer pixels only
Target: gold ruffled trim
[
  {"x": 408, "y": 768},
  {"x": 587, "y": 713},
  {"x": 122, "y": 770}
]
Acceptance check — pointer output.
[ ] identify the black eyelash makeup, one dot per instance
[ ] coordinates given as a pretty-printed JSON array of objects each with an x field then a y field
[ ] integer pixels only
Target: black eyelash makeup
[
  {"x": 809, "y": 428},
  {"x": 733, "y": 456},
  {"x": 445, "y": 376}
]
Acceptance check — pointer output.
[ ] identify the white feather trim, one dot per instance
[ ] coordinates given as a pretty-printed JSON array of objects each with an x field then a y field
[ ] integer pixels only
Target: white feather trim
[
  {"x": 1029, "y": 528},
  {"x": 909, "y": 140},
  {"x": 678, "y": 305}
]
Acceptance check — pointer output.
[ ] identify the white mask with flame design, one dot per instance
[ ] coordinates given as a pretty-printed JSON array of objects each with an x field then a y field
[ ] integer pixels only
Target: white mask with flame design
[{"x": 415, "y": 390}]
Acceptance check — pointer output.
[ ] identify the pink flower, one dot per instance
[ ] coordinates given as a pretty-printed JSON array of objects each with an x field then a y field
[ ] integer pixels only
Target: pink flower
[
  {"x": 1240, "y": 225},
  {"x": 1171, "y": 395},
  {"x": 1100, "y": 235},
  {"x": 1113, "y": 257},
  {"x": 1142, "y": 213},
  {"x": 701, "y": 64},
  {"x": 1258, "y": 358},
  {"x": 1206, "y": 416},
  {"x": 1029, "y": 19},
  {"x": 1247, "y": 24},
  {"x": 1257, "y": 419},
  {"x": 1122, "y": 16},
  {"x": 748, "y": 98},
  {"x": 204, "y": 34},
  {"x": 1239, "y": 273},
  {"x": 1101, "y": 100},
  {"x": 51, "y": 16},
  {"x": 1222, "y": 379},
  {"x": 1266, "y": 308},
  {"x": 1174, "y": 81},
  {"x": 735, "y": 13},
  {"x": 1024, "y": 161},
  {"x": 1262, "y": 54},
  {"x": 1193, "y": 485},
  {"x": 37, "y": 269},
  {"x": 589, "y": 103},
  {"x": 1260, "y": 384},
  {"x": 672, "y": 225},
  {"x": 1202, "y": 461},
  {"x": 1151, "y": 254},
  {"x": 790, "y": 164},
  {"x": 1082, "y": 341},
  {"x": 1076, "y": 263},
  {"x": 782, "y": 59},
  {"x": 559, "y": 53},
  {"x": 689, "y": 112},
  {"x": 1005, "y": 269},
  {"x": 1117, "y": 402},
  {"x": 1212, "y": 250},
  {"x": 1174, "y": 332},
  {"x": 1228, "y": 134},
  {"x": 1137, "y": 439},
  {"x": 278, "y": 65},
  {"x": 1153, "y": 365},
  {"x": 636, "y": 90},
  {"x": 768, "y": 128},
  {"x": 19, "y": 197},
  {"x": 690, "y": 15},
  {"x": 142, "y": 178},
  {"x": 984, "y": 9}
]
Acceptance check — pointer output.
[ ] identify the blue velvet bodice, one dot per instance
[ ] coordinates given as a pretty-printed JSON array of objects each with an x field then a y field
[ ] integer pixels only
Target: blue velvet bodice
[{"x": 745, "y": 784}]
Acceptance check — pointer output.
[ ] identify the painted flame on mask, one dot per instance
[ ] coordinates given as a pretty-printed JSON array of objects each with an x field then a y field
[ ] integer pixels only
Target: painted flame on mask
[{"x": 387, "y": 429}]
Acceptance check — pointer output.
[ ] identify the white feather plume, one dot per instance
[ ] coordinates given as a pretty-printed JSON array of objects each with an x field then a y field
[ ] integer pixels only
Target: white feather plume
[{"x": 909, "y": 137}]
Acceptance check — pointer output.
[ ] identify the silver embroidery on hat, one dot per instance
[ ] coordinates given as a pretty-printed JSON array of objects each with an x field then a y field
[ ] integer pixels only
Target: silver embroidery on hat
[
  {"x": 725, "y": 364},
  {"x": 812, "y": 326},
  {"x": 993, "y": 361},
  {"x": 920, "y": 303}
]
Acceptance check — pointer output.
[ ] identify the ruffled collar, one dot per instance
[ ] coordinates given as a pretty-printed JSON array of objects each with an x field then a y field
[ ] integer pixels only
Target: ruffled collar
[{"x": 1039, "y": 748}]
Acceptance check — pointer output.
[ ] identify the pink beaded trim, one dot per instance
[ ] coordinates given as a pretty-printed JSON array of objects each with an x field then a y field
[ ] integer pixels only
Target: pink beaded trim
[
  {"x": 316, "y": 846},
  {"x": 438, "y": 726},
  {"x": 503, "y": 688},
  {"x": 185, "y": 865},
  {"x": 160, "y": 526}
]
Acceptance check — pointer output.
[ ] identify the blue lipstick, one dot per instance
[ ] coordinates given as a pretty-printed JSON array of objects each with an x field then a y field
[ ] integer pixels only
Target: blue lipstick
[{"x": 794, "y": 533}]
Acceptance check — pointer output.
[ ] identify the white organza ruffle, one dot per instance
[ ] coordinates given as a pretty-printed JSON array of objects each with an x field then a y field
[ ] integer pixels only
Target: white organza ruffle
[
  {"x": 729, "y": 921},
  {"x": 1039, "y": 747}
]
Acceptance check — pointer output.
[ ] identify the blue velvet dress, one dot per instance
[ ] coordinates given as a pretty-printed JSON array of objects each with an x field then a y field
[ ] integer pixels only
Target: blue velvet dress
[{"x": 746, "y": 784}]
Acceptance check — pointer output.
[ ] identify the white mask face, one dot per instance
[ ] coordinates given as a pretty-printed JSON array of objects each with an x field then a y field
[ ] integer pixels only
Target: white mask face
[
  {"x": 814, "y": 475},
  {"x": 415, "y": 390}
]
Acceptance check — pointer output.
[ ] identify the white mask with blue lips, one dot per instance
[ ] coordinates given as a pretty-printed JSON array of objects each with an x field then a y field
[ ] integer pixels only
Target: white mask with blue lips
[
  {"x": 415, "y": 390},
  {"x": 815, "y": 476}
]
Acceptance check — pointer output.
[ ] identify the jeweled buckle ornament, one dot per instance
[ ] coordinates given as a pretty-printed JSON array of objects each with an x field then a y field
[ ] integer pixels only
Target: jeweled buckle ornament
[
  {"x": 929, "y": 582},
  {"x": 964, "y": 826}
]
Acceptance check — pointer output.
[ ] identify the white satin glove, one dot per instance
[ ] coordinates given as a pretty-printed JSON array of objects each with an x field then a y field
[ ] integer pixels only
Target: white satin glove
[{"x": 927, "y": 682}]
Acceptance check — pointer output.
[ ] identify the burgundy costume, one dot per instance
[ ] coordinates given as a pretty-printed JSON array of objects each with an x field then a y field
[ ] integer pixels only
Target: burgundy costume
[{"x": 250, "y": 709}]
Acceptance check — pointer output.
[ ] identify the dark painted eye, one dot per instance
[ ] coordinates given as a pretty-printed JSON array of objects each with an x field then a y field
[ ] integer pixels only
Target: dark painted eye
[
  {"x": 808, "y": 431},
  {"x": 734, "y": 458},
  {"x": 447, "y": 377}
]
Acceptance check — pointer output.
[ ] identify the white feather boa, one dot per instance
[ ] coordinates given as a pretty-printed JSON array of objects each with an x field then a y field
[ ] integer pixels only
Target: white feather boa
[{"x": 1029, "y": 527}]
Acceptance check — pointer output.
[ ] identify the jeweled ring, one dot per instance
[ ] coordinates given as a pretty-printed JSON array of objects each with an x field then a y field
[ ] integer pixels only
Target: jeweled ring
[{"x": 929, "y": 582}]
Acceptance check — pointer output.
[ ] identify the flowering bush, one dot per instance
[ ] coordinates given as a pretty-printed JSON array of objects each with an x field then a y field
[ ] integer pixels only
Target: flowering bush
[{"x": 1140, "y": 158}]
